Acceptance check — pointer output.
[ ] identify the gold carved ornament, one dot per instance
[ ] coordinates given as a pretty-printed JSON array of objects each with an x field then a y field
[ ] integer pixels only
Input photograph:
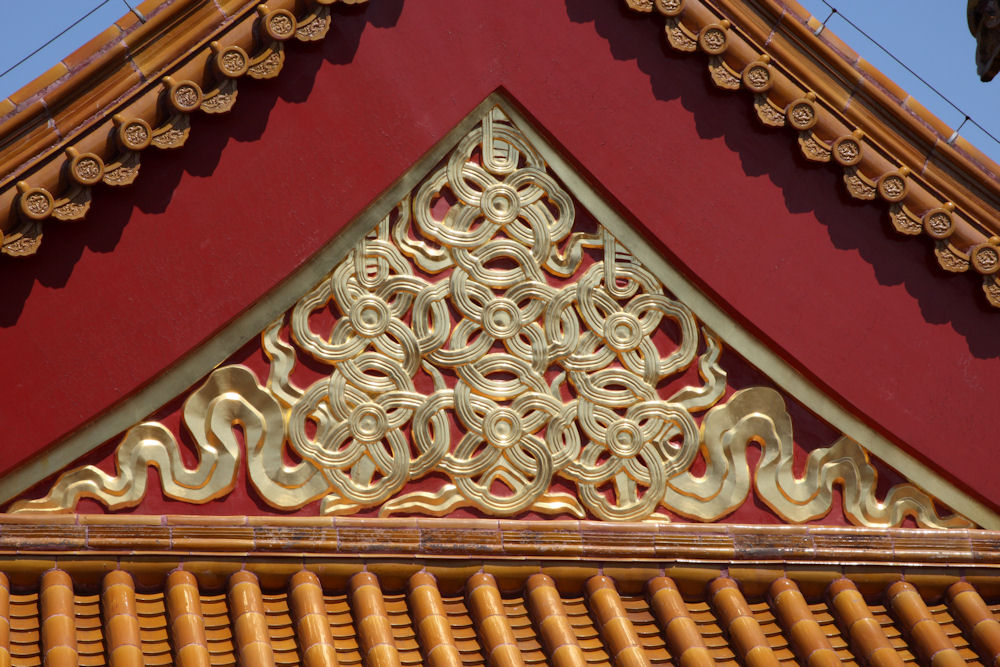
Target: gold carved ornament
[{"x": 483, "y": 335}]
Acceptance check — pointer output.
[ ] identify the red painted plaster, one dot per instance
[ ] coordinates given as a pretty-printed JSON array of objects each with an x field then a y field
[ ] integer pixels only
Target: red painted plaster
[{"x": 157, "y": 267}]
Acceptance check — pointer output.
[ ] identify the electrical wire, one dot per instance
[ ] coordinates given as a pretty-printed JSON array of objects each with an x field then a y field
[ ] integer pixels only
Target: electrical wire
[
  {"x": 967, "y": 117},
  {"x": 833, "y": 11},
  {"x": 63, "y": 32}
]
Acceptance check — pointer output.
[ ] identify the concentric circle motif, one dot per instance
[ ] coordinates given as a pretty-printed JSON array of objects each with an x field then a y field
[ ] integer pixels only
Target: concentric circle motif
[
  {"x": 370, "y": 316},
  {"x": 502, "y": 428},
  {"x": 499, "y": 203},
  {"x": 985, "y": 259},
  {"x": 938, "y": 223},
  {"x": 501, "y": 318},
  {"x": 624, "y": 439},
  {"x": 368, "y": 422},
  {"x": 622, "y": 331},
  {"x": 135, "y": 134},
  {"x": 801, "y": 114},
  {"x": 757, "y": 77},
  {"x": 847, "y": 151}
]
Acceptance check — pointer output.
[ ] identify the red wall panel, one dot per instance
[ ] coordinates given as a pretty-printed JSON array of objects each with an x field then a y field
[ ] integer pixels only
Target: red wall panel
[{"x": 157, "y": 267}]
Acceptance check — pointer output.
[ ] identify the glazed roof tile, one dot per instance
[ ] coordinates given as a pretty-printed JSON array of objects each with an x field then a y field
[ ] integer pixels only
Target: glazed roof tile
[
  {"x": 135, "y": 84},
  {"x": 318, "y": 603}
]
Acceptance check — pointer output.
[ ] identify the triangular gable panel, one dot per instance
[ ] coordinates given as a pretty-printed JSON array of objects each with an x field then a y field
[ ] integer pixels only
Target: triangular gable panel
[
  {"x": 494, "y": 342},
  {"x": 790, "y": 251},
  {"x": 492, "y": 336}
]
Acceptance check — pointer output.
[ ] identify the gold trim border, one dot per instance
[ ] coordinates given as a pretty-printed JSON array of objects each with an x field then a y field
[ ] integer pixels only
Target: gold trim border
[
  {"x": 248, "y": 324},
  {"x": 748, "y": 346}
]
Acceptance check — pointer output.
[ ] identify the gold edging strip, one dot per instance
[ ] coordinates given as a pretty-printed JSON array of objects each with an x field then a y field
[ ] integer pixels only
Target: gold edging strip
[
  {"x": 753, "y": 350},
  {"x": 253, "y": 320},
  {"x": 221, "y": 345}
]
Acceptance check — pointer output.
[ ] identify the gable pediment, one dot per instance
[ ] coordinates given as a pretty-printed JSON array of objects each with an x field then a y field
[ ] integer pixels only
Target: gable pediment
[{"x": 498, "y": 340}]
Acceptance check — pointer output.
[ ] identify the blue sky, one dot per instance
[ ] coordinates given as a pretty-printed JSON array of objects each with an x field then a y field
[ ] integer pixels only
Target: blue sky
[
  {"x": 930, "y": 36},
  {"x": 21, "y": 32}
]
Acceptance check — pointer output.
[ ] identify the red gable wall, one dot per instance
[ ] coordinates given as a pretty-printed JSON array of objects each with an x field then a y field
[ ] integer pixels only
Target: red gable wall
[{"x": 207, "y": 229}]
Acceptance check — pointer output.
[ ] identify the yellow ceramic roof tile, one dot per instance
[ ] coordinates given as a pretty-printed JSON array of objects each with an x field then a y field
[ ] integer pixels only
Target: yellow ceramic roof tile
[
  {"x": 232, "y": 8},
  {"x": 38, "y": 86},
  {"x": 843, "y": 48},
  {"x": 794, "y": 9},
  {"x": 188, "y": 23},
  {"x": 71, "y": 111},
  {"x": 147, "y": 7},
  {"x": 174, "y": 30},
  {"x": 24, "y": 136},
  {"x": 192, "y": 615},
  {"x": 94, "y": 47},
  {"x": 887, "y": 84}
]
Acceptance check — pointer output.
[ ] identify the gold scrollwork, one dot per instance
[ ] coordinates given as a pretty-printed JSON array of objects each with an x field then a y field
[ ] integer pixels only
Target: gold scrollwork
[{"x": 482, "y": 335}]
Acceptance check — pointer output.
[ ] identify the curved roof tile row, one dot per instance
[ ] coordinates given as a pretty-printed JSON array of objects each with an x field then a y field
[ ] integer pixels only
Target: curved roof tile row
[
  {"x": 299, "y": 609},
  {"x": 88, "y": 119},
  {"x": 932, "y": 182}
]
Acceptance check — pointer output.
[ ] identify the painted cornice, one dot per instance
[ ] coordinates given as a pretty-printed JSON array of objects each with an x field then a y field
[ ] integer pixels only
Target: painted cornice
[{"x": 89, "y": 118}]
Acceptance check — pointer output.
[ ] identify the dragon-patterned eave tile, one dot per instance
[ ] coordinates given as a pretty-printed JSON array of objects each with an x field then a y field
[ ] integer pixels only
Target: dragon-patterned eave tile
[{"x": 496, "y": 339}]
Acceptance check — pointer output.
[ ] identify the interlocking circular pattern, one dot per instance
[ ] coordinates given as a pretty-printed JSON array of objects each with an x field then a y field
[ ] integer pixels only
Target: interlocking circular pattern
[
  {"x": 626, "y": 454},
  {"x": 536, "y": 351},
  {"x": 499, "y": 252}
]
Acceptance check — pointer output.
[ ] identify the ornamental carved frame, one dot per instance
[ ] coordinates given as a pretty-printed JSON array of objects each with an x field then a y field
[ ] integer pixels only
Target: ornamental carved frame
[{"x": 513, "y": 201}]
